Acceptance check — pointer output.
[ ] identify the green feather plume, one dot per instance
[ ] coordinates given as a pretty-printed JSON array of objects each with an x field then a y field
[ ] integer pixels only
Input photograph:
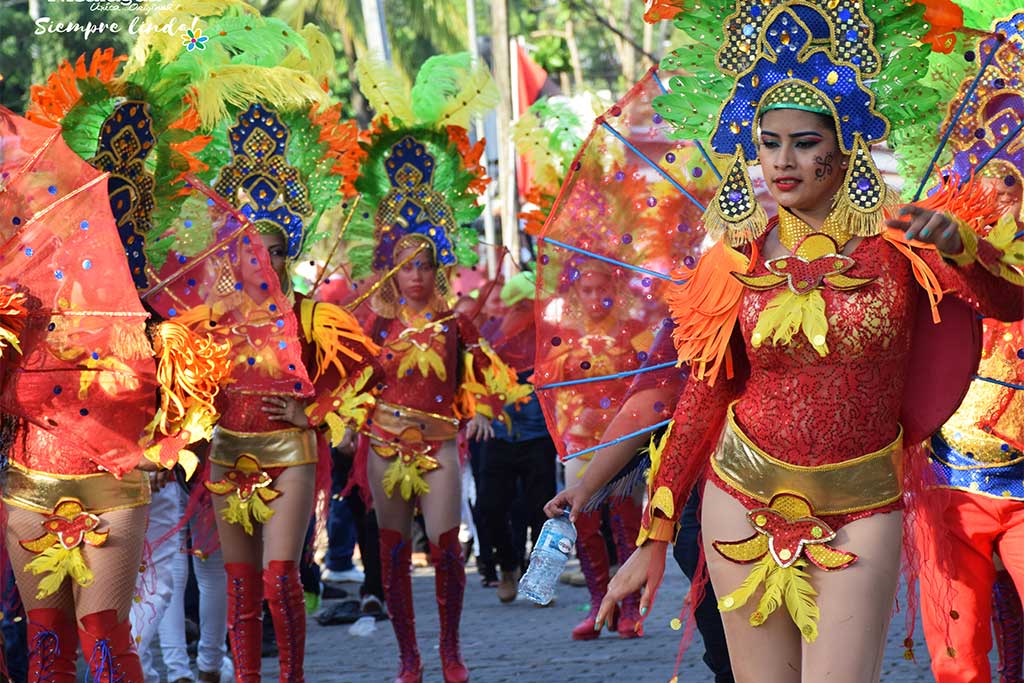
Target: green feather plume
[
  {"x": 438, "y": 81},
  {"x": 477, "y": 95}
]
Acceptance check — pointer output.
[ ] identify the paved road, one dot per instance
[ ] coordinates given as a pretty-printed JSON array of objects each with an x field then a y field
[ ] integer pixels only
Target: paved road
[{"x": 526, "y": 644}]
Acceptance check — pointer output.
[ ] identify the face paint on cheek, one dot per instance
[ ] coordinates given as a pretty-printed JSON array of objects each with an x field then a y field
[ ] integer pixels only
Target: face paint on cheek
[{"x": 823, "y": 167}]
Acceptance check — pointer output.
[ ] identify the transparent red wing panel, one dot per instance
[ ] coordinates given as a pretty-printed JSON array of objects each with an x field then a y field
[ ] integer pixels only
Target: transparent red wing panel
[
  {"x": 627, "y": 216},
  {"x": 216, "y": 277},
  {"x": 87, "y": 367}
]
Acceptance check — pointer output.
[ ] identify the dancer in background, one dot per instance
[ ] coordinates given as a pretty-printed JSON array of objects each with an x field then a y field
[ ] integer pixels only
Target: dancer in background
[
  {"x": 971, "y": 565},
  {"x": 423, "y": 177}
]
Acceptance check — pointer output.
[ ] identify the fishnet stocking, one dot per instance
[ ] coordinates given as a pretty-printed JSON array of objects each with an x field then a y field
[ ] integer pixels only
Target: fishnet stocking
[{"x": 115, "y": 564}]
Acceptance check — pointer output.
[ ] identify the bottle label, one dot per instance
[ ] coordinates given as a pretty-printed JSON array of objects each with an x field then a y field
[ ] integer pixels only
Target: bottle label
[{"x": 555, "y": 541}]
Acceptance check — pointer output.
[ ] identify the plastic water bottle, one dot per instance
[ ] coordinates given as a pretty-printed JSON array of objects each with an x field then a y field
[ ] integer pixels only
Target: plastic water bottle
[{"x": 548, "y": 559}]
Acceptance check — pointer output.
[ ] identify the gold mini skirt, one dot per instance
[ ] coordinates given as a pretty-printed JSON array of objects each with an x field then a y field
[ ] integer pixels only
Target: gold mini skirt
[
  {"x": 98, "y": 493},
  {"x": 281, "y": 448}
]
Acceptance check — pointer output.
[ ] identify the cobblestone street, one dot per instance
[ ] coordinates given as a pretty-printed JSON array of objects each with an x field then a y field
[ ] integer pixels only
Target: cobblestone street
[{"x": 523, "y": 643}]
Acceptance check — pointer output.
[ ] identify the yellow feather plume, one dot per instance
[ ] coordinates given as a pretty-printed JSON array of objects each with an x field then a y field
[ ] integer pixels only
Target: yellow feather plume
[
  {"x": 799, "y": 596},
  {"x": 178, "y": 14},
  {"x": 476, "y": 97},
  {"x": 739, "y": 597},
  {"x": 788, "y": 312},
  {"x": 385, "y": 89},
  {"x": 320, "y": 59},
  {"x": 238, "y": 85},
  {"x": 532, "y": 140},
  {"x": 771, "y": 599},
  {"x": 59, "y": 562}
]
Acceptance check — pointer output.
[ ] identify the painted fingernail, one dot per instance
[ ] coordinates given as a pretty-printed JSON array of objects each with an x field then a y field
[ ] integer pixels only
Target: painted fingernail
[
  {"x": 909, "y": 235},
  {"x": 597, "y": 625},
  {"x": 643, "y": 611}
]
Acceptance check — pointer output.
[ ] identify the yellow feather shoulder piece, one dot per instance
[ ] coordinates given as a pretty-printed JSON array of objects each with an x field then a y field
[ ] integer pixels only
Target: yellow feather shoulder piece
[{"x": 336, "y": 333}]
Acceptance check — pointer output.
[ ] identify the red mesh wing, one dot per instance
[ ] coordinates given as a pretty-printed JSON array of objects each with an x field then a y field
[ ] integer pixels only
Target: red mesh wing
[
  {"x": 217, "y": 278},
  {"x": 624, "y": 199},
  {"x": 87, "y": 371}
]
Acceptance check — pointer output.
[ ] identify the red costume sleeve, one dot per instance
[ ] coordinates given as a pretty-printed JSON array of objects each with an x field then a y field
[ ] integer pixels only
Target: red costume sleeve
[
  {"x": 989, "y": 295},
  {"x": 681, "y": 457}
]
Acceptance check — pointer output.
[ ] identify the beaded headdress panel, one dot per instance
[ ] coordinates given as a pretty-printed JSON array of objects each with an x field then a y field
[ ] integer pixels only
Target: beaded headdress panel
[
  {"x": 421, "y": 177},
  {"x": 858, "y": 63},
  {"x": 260, "y": 182},
  {"x": 986, "y": 138}
]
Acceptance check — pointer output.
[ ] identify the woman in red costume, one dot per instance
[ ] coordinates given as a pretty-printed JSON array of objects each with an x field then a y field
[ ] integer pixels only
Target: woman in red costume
[
  {"x": 609, "y": 344},
  {"x": 423, "y": 177},
  {"x": 801, "y": 332},
  {"x": 266, "y": 450},
  {"x": 78, "y": 404}
]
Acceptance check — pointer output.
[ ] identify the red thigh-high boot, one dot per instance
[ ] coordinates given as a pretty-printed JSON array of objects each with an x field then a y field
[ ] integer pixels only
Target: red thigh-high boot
[
  {"x": 52, "y": 646},
  {"x": 1008, "y": 619},
  {"x": 245, "y": 619},
  {"x": 283, "y": 588},
  {"x": 625, "y": 521},
  {"x": 593, "y": 554},
  {"x": 396, "y": 565},
  {"x": 109, "y": 649},
  {"x": 450, "y": 587}
]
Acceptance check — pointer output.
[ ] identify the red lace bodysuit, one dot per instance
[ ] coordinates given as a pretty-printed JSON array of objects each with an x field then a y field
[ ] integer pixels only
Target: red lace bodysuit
[{"x": 810, "y": 410}]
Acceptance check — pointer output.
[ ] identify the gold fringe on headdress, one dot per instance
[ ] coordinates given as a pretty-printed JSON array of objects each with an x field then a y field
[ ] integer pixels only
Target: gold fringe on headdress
[
  {"x": 864, "y": 200},
  {"x": 734, "y": 213}
]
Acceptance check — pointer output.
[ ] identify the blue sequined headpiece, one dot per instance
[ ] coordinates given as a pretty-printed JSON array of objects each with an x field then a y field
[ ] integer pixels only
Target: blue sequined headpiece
[
  {"x": 797, "y": 66},
  {"x": 260, "y": 182},
  {"x": 412, "y": 206}
]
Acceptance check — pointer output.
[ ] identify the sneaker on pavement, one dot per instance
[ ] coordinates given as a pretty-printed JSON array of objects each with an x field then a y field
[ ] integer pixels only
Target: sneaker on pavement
[
  {"x": 372, "y": 606},
  {"x": 348, "y": 576}
]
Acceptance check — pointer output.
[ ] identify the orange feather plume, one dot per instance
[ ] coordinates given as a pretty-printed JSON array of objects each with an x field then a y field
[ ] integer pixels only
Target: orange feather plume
[{"x": 50, "y": 103}]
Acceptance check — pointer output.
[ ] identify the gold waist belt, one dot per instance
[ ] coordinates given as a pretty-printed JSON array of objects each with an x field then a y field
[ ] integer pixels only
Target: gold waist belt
[
  {"x": 863, "y": 483},
  {"x": 98, "y": 493},
  {"x": 282, "y": 448},
  {"x": 413, "y": 425}
]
